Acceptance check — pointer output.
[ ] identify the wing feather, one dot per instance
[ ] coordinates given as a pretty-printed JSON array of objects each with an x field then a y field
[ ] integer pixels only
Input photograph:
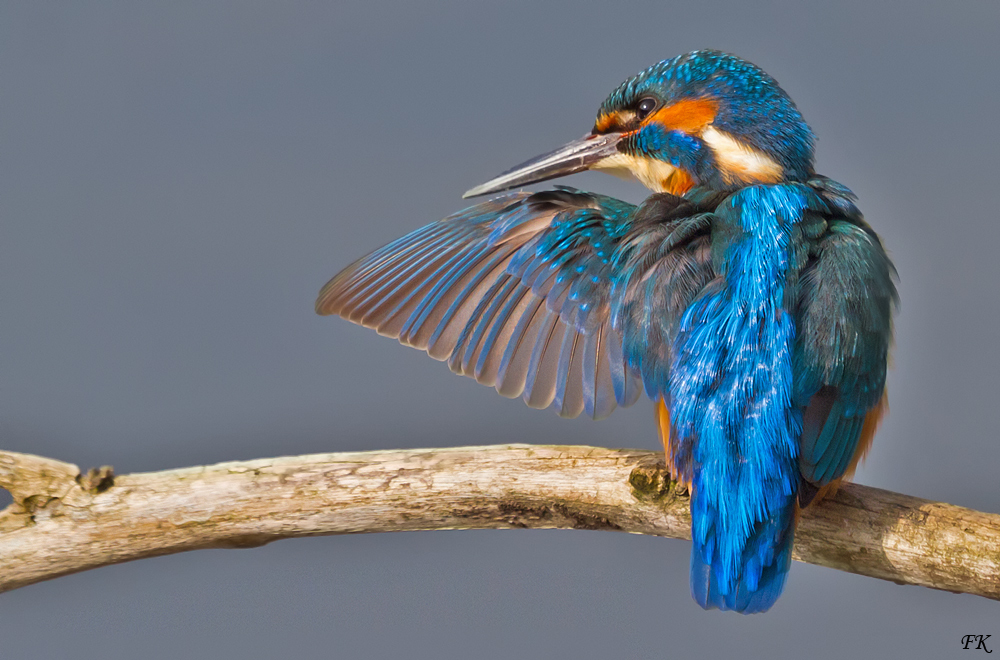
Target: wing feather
[
  {"x": 513, "y": 292},
  {"x": 540, "y": 387},
  {"x": 549, "y": 296},
  {"x": 569, "y": 385},
  {"x": 513, "y": 373}
]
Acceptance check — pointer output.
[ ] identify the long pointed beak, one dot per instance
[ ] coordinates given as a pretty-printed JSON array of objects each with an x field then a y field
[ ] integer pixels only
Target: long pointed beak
[{"x": 577, "y": 156}]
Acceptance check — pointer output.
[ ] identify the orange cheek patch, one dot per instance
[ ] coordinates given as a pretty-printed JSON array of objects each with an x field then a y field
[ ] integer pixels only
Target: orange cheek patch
[{"x": 688, "y": 115}]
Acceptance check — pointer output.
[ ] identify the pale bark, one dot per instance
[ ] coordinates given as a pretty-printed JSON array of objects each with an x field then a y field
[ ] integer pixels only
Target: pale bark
[{"x": 62, "y": 522}]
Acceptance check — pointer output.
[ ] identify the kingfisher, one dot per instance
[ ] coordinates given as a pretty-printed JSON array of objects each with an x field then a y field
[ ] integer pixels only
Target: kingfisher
[{"x": 747, "y": 297}]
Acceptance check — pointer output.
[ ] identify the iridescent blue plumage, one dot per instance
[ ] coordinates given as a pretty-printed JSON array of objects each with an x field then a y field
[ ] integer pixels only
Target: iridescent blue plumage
[
  {"x": 731, "y": 387},
  {"x": 748, "y": 298}
]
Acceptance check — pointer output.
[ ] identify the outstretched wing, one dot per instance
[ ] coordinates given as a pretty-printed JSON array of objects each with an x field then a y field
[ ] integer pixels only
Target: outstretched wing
[
  {"x": 513, "y": 292},
  {"x": 843, "y": 328}
]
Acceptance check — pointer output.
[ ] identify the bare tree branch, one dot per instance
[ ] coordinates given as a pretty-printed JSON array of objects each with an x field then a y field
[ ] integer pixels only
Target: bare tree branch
[{"x": 62, "y": 521}]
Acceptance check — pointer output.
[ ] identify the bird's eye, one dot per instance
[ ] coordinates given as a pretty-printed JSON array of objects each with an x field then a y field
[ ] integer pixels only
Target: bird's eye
[{"x": 645, "y": 107}]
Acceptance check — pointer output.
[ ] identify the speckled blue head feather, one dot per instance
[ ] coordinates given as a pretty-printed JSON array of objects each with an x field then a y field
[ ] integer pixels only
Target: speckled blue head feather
[{"x": 752, "y": 107}]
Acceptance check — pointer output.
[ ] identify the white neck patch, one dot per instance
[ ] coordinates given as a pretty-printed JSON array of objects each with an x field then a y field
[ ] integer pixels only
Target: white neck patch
[{"x": 738, "y": 161}]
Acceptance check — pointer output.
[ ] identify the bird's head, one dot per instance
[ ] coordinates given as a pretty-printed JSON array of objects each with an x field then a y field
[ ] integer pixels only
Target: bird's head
[{"x": 705, "y": 118}]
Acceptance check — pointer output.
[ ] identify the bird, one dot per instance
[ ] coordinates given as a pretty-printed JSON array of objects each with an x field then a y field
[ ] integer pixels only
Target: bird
[{"x": 747, "y": 297}]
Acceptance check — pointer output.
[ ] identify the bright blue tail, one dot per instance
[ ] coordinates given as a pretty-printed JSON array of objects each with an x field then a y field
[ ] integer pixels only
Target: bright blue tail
[{"x": 751, "y": 581}]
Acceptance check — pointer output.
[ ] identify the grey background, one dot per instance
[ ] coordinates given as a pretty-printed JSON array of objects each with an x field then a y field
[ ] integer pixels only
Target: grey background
[{"x": 178, "y": 179}]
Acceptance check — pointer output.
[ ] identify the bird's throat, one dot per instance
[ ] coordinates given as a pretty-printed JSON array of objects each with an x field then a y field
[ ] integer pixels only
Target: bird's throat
[{"x": 657, "y": 175}]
